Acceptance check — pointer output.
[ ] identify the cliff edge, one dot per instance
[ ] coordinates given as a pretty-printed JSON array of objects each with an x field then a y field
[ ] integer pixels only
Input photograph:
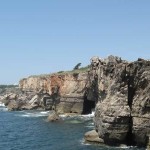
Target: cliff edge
[{"x": 122, "y": 113}]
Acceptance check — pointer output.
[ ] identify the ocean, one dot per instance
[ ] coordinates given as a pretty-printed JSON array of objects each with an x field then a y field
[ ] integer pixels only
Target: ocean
[{"x": 29, "y": 130}]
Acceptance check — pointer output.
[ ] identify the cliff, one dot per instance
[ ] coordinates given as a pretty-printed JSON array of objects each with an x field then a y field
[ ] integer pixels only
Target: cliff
[
  {"x": 63, "y": 91},
  {"x": 70, "y": 84},
  {"x": 123, "y": 110},
  {"x": 71, "y": 89},
  {"x": 120, "y": 90}
]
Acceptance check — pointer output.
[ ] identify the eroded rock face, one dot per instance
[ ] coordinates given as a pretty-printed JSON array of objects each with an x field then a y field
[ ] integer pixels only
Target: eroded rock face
[
  {"x": 123, "y": 113},
  {"x": 69, "y": 84},
  {"x": 140, "y": 110},
  {"x": 120, "y": 89},
  {"x": 148, "y": 143},
  {"x": 69, "y": 97},
  {"x": 64, "y": 93}
]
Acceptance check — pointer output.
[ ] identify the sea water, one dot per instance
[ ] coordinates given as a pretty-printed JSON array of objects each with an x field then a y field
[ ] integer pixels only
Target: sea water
[{"x": 29, "y": 130}]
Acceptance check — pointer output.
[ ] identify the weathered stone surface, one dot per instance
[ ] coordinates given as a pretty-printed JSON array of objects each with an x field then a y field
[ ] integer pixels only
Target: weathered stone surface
[
  {"x": 15, "y": 105},
  {"x": 123, "y": 113},
  {"x": 68, "y": 84},
  {"x": 148, "y": 143},
  {"x": 92, "y": 136},
  {"x": 34, "y": 102},
  {"x": 71, "y": 90}
]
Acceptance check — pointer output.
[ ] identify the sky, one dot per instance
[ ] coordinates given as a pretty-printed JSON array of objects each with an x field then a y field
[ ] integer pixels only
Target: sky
[{"x": 46, "y": 36}]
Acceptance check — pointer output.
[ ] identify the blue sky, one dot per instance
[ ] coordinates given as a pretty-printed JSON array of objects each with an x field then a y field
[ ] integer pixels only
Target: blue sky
[{"x": 45, "y": 36}]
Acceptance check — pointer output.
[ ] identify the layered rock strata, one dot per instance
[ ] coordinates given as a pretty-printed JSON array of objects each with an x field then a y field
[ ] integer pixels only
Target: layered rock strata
[
  {"x": 64, "y": 93},
  {"x": 120, "y": 90},
  {"x": 123, "y": 110},
  {"x": 69, "y": 95}
]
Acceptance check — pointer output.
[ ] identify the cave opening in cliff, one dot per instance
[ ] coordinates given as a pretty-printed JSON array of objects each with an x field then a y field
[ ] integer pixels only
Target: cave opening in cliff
[{"x": 88, "y": 106}]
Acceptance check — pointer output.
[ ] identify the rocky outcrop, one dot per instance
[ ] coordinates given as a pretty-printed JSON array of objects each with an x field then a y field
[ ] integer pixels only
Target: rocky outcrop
[
  {"x": 70, "y": 84},
  {"x": 53, "y": 117},
  {"x": 119, "y": 89},
  {"x": 92, "y": 136},
  {"x": 17, "y": 101},
  {"x": 70, "y": 89},
  {"x": 66, "y": 91},
  {"x": 122, "y": 113}
]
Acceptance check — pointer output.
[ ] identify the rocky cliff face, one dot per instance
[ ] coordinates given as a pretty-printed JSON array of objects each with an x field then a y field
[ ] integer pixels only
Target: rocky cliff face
[
  {"x": 66, "y": 92},
  {"x": 71, "y": 84},
  {"x": 120, "y": 90},
  {"x": 71, "y": 89},
  {"x": 123, "y": 111}
]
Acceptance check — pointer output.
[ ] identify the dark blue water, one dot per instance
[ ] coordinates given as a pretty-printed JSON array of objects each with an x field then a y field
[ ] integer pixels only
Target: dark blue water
[{"x": 28, "y": 130}]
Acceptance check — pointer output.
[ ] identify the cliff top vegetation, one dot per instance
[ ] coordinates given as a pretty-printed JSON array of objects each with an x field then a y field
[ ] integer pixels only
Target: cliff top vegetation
[{"x": 79, "y": 70}]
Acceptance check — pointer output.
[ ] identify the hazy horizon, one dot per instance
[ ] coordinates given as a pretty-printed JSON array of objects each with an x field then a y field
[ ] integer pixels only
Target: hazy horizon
[{"x": 49, "y": 36}]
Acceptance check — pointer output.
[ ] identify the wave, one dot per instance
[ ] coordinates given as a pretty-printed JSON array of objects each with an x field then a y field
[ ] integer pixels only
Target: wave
[
  {"x": 33, "y": 114},
  {"x": 75, "y": 116},
  {"x": 90, "y": 127},
  {"x": 84, "y": 143},
  {"x": 3, "y": 107},
  {"x": 90, "y": 115},
  {"x": 122, "y": 146},
  {"x": 79, "y": 119},
  {"x": 71, "y": 117},
  {"x": 2, "y": 104}
]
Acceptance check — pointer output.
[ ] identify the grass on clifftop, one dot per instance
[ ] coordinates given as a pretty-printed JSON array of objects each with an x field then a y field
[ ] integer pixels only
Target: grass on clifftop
[{"x": 80, "y": 70}]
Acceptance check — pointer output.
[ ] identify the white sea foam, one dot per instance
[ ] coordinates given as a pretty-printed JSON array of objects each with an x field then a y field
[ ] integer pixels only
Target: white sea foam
[
  {"x": 75, "y": 116},
  {"x": 2, "y": 104},
  {"x": 34, "y": 114},
  {"x": 3, "y": 107},
  {"x": 44, "y": 112},
  {"x": 125, "y": 147},
  {"x": 90, "y": 127},
  {"x": 89, "y": 115},
  {"x": 64, "y": 116},
  {"x": 84, "y": 143}
]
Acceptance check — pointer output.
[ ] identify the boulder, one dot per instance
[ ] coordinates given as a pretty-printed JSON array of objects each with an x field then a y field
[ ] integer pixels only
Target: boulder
[
  {"x": 53, "y": 117},
  {"x": 92, "y": 136},
  {"x": 14, "y": 105}
]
